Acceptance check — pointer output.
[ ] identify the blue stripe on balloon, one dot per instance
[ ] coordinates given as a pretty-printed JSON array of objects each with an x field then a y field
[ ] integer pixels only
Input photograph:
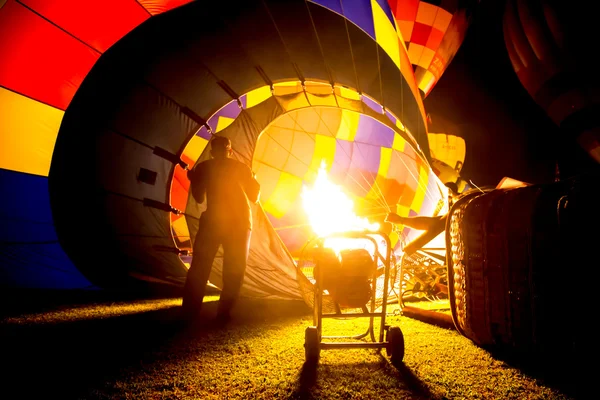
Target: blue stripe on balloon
[
  {"x": 229, "y": 110},
  {"x": 363, "y": 170},
  {"x": 373, "y": 105},
  {"x": 357, "y": 11},
  {"x": 30, "y": 255},
  {"x": 366, "y": 157},
  {"x": 341, "y": 161},
  {"x": 360, "y": 12},
  {"x": 391, "y": 117},
  {"x": 373, "y": 132},
  {"x": 333, "y": 5},
  {"x": 203, "y": 132}
]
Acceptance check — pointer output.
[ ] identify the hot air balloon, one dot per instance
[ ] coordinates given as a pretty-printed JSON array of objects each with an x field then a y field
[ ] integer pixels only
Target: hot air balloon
[
  {"x": 362, "y": 150},
  {"x": 433, "y": 31},
  {"x": 448, "y": 150},
  {"x": 547, "y": 42},
  {"x": 101, "y": 119},
  {"x": 47, "y": 48}
]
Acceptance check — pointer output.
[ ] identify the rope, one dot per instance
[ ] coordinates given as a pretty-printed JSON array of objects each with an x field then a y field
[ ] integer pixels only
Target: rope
[
  {"x": 419, "y": 184},
  {"x": 287, "y": 50},
  {"x": 319, "y": 43}
]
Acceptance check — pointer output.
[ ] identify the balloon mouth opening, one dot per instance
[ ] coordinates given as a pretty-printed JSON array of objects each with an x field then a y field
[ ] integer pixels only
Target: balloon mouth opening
[
  {"x": 318, "y": 163},
  {"x": 330, "y": 209}
]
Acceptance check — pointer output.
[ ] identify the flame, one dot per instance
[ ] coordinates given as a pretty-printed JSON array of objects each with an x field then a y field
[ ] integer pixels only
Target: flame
[{"x": 330, "y": 210}]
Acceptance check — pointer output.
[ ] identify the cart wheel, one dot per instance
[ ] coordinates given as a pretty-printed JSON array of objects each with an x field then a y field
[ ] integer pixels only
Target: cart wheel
[
  {"x": 395, "y": 345},
  {"x": 311, "y": 344}
]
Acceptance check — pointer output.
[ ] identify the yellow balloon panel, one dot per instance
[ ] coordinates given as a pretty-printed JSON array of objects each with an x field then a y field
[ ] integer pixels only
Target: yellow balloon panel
[
  {"x": 385, "y": 33},
  {"x": 29, "y": 130},
  {"x": 299, "y": 161},
  {"x": 399, "y": 143},
  {"x": 449, "y": 149},
  {"x": 294, "y": 102},
  {"x": 223, "y": 123},
  {"x": 321, "y": 100},
  {"x": 348, "y": 125},
  {"x": 268, "y": 178},
  {"x": 346, "y": 93},
  {"x": 194, "y": 148},
  {"x": 324, "y": 152},
  {"x": 284, "y": 196},
  {"x": 279, "y": 141},
  {"x": 180, "y": 229},
  {"x": 284, "y": 88},
  {"x": 257, "y": 96},
  {"x": 422, "y": 188}
]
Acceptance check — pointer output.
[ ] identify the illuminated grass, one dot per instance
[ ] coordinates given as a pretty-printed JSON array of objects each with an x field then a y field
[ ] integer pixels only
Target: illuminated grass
[{"x": 152, "y": 355}]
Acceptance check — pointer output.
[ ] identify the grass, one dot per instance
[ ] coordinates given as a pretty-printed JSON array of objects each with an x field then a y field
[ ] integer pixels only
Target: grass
[{"x": 107, "y": 348}]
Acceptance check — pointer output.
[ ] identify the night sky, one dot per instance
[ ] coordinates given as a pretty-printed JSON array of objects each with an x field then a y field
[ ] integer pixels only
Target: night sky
[{"x": 506, "y": 132}]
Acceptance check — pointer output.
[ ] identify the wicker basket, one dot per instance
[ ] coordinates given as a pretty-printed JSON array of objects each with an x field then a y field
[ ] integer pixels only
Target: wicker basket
[{"x": 513, "y": 256}]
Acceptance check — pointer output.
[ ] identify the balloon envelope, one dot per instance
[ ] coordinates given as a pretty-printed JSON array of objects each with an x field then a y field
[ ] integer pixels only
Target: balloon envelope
[
  {"x": 547, "y": 42},
  {"x": 433, "y": 31},
  {"x": 102, "y": 106}
]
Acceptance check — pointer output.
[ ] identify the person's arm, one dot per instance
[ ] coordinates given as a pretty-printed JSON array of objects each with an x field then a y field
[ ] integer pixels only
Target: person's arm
[
  {"x": 426, "y": 237},
  {"x": 252, "y": 187},
  {"x": 417, "y": 222},
  {"x": 393, "y": 218},
  {"x": 197, "y": 183}
]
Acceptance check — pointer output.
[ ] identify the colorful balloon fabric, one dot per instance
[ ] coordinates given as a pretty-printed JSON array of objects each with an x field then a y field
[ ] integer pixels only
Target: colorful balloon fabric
[
  {"x": 47, "y": 48},
  {"x": 433, "y": 31},
  {"x": 103, "y": 105}
]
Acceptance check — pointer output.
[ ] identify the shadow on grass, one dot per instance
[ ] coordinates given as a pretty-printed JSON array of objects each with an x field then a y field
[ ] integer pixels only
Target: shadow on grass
[
  {"x": 559, "y": 368},
  {"x": 91, "y": 341},
  {"x": 313, "y": 374},
  {"x": 413, "y": 383},
  {"x": 60, "y": 360},
  {"x": 307, "y": 380}
]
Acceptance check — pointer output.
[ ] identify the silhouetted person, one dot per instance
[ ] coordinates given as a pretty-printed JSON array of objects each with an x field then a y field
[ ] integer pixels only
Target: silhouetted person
[{"x": 229, "y": 187}]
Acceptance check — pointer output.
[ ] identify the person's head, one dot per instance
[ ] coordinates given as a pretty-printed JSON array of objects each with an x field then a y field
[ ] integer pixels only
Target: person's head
[
  {"x": 452, "y": 192},
  {"x": 220, "y": 147},
  {"x": 452, "y": 188}
]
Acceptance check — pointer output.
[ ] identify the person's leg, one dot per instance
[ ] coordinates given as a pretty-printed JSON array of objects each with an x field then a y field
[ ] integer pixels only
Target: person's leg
[
  {"x": 235, "y": 249},
  {"x": 205, "y": 249}
]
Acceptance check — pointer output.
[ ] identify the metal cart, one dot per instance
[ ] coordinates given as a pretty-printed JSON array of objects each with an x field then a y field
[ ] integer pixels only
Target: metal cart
[{"x": 350, "y": 277}]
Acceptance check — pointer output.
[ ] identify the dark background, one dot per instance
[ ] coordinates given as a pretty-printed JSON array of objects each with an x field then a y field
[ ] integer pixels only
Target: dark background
[{"x": 506, "y": 132}]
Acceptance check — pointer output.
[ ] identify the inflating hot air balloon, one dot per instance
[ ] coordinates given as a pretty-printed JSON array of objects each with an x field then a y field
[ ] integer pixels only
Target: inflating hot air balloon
[
  {"x": 548, "y": 44},
  {"x": 104, "y": 106},
  {"x": 361, "y": 149}
]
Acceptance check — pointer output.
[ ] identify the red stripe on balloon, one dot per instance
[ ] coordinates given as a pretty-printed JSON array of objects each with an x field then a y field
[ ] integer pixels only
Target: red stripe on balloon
[
  {"x": 99, "y": 24},
  {"x": 39, "y": 60}
]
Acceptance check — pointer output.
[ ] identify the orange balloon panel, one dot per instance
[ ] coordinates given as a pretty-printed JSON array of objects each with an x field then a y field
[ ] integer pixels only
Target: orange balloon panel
[{"x": 433, "y": 32}]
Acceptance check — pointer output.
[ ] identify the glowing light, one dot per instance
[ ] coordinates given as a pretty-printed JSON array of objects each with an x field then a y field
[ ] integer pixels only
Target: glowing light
[{"x": 330, "y": 210}]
